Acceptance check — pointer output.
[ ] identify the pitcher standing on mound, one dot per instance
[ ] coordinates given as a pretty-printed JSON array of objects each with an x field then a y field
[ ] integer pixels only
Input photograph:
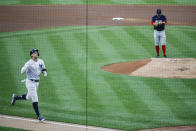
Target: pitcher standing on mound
[
  {"x": 33, "y": 69},
  {"x": 159, "y": 21}
]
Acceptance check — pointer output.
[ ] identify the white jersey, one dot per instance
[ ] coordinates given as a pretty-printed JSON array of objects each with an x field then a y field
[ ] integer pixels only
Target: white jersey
[{"x": 33, "y": 69}]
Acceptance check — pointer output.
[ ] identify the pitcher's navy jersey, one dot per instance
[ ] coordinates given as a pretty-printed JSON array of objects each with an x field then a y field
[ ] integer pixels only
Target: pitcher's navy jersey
[{"x": 162, "y": 18}]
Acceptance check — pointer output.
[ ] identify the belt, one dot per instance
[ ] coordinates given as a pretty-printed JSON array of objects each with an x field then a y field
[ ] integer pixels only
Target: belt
[{"x": 34, "y": 80}]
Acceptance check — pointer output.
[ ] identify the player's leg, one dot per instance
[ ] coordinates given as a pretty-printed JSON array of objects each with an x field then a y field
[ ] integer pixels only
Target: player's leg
[
  {"x": 163, "y": 43},
  {"x": 16, "y": 97},
  {"x": 34, "y": 98},
  {"x": 27, "y": 96},
  {"x": 156, "y": 39}
]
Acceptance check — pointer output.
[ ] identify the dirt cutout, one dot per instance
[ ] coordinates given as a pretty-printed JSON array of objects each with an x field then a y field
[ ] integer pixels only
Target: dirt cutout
[
  {"x": 126, "y": 68},
  {"x": 156, "y": 67}
]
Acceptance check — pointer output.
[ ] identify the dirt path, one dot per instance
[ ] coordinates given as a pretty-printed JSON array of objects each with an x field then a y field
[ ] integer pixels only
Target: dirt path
[
  {"x": 127, "y": 67},
  {"x": 14, "y": 18},
  {"x": 156, "y": 67},
  {"x": 33, "y": 124}
]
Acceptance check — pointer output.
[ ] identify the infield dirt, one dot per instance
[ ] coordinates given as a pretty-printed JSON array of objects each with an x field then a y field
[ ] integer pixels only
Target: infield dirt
[{"x": 28, "y": 17}]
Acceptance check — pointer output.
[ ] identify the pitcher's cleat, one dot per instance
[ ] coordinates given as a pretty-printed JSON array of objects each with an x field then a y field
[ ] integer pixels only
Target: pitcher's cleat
[
  {"x": 157, "y": 56},
  {"x": 13, "y": 99},
  {"x": 164, "y": 56}
]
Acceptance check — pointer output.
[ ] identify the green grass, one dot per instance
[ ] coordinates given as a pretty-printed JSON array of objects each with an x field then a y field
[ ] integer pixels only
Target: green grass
[
  {"x": 37, "y": 2},
  {"x": 10, "y": 129},
  {"x": 113, "y": 101}
]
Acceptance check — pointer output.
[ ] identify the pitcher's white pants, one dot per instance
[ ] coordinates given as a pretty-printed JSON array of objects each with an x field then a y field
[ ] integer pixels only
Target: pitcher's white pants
[{"x": 159, "y": 37}]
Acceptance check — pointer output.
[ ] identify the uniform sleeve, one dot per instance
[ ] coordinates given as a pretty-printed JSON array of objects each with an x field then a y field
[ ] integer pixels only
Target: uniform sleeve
[
  {"x": 165, "y": 19},
  {"x": 153, "y": 20},
  {"x": 44, "y": 69},
  {"x": 25, "y": 68},
  {"x": 43, "y": 65}
]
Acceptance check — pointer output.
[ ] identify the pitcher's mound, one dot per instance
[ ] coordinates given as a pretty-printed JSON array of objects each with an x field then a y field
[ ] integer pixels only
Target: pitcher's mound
[{"x": 156, "y": 67}]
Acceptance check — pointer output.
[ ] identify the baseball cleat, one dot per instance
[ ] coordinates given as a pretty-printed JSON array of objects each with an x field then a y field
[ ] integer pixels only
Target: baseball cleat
[
  {"x": 13, "y": 99},
  {"x": 41, "y": 118},
  {"x": 157, "y": 56},
  {"x": 164, "y": 56}
]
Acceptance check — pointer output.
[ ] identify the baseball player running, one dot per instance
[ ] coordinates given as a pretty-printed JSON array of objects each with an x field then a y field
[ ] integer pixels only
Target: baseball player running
[
  {"x": 33, "y": 69},
  {"x": 159, "y": 21}
]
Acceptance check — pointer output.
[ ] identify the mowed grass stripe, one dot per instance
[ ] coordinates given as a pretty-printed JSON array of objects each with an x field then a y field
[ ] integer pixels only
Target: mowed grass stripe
[
  {"x": 160, "y": 109},
  {"x": 160, "y": 2},
  {"x": 188, "y": 40},
  {"x": 183, "y": 94},
  {"x": 106, "y": 48},
  {"x": 17, "y": 61},
  {"x": 9, "y": 2},
  {"x": 127, "y": 95},
  {"x": 71, "y": 69},
  {"x": 177, "y": 45},
  {"x": 68, "y": 1},
  {"x": 94, "y": 101},
  {"x": 140, "y": 39},
  {"x": 177, "y": 107},
  {"x": 146, "y": 37},
  {"x": 127, "y": 1},
  {"x": 190, "y": 2},
  {"x": 136, "y": 50},
  {"x": 37, "y": 2},
  {"x": 92, "y": 80},
  {"x": 101, "y": 1},
  {"x": 116, "y": 43},
  {"x": 184, "y": 41},
  {"x": 190, "y": 33},
  {"x": 7, "y": 72},
  {"x": 15, "y": 55}
]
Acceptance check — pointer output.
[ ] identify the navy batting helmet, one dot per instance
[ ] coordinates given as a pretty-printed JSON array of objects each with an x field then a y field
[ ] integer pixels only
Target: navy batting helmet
[
  {"x": 159, "y": 11},
  {"x": 33, "y": 50}
]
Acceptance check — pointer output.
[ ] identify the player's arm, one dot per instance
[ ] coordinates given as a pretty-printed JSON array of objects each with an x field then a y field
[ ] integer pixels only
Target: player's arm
[
  {"x": 154, "y": 22},
  {"x": 165, "y": 20},
  {"x": 44, "y": 70},
  {"x": 24, "y": 68}
]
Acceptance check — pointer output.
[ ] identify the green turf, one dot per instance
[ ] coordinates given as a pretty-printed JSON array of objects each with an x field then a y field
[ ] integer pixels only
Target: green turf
[
  {"x": 113, "y": 101},
  {"x": 10, "y": 129},
  {"x": 37, "y": 2}
]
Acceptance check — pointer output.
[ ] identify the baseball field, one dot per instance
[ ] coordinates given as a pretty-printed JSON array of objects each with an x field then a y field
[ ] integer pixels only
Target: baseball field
[{"x": 76, "y": 40}]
